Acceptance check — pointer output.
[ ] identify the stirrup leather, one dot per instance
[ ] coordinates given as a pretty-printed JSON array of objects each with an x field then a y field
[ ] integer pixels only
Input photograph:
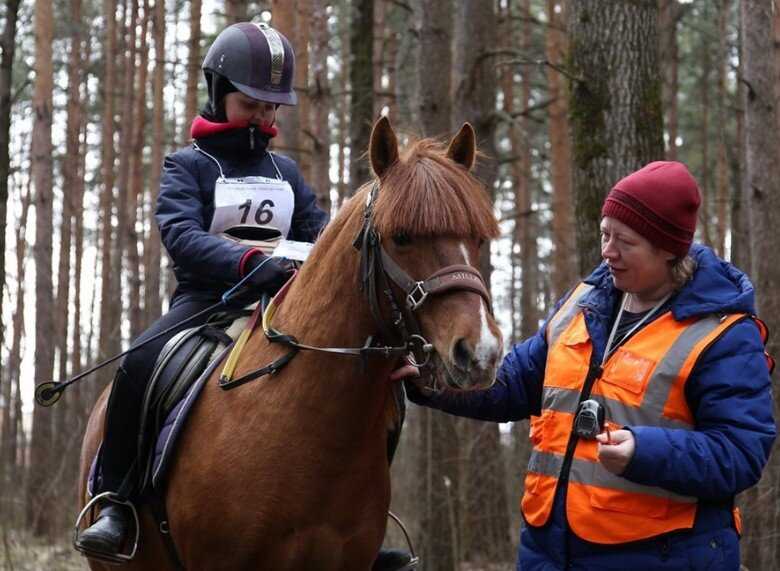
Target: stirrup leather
[{"x": 88, "y": 514}]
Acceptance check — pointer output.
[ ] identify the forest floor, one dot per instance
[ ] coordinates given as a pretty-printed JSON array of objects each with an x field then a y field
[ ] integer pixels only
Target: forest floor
[{"x": 20, "y": 552}]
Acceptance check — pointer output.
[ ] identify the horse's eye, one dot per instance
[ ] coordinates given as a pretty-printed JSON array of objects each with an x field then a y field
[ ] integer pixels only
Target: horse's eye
[{"x": 402, "y": 239}]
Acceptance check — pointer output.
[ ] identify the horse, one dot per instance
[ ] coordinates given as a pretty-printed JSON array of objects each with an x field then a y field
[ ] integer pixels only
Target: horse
[{"x": 290, "y": 471}]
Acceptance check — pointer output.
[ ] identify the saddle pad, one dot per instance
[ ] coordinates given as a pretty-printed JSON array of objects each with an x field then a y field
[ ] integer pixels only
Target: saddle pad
[
  {"x": 169, "y": 433},
  {"x": 171, "y": 428}
]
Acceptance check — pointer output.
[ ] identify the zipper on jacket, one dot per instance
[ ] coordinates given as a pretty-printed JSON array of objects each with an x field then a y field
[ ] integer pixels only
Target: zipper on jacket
[{"x": 251, "y": 138}]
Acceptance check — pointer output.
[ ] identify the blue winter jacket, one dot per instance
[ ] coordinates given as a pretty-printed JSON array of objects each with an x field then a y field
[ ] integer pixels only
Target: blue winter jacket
[
  {"x": 206, "y": 265},
  {"x": 728, "y": 392}
]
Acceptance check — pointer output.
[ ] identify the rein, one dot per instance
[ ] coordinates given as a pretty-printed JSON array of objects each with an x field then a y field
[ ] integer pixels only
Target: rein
[{"x": 378, "y": 270}]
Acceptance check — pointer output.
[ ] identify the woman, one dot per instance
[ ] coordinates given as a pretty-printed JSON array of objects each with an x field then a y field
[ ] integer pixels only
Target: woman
[
  {"x": 649, "y": 396},
  {"x": 225, "y": 184}
]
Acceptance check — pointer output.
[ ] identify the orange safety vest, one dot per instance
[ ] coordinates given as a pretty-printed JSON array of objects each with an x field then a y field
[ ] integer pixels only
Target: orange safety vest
[{"x": 641, "y": 384}]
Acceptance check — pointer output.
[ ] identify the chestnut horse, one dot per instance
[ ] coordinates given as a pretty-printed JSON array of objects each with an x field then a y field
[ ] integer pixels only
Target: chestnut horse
[{"x": 290, "y": 471}]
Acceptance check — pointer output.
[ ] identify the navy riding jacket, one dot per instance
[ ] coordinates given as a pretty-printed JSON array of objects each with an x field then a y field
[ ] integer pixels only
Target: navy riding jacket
[{"x": 206, "y": 265}]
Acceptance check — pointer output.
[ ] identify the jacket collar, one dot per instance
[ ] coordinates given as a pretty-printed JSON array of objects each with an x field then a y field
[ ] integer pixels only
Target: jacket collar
[{"x": 239, "y": 141}]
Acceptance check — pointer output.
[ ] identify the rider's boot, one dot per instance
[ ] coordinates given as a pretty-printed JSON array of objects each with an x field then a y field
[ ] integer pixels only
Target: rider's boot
[
  {"x": 117, "y": 455},
  {"x": 393, "y": 560},
  {"x": 108, "y": 533}
]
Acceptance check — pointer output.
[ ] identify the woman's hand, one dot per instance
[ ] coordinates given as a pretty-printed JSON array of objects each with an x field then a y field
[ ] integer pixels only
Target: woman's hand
[
  {"x": 616, "y": 449},
  {"x": 404, "y": 372}
]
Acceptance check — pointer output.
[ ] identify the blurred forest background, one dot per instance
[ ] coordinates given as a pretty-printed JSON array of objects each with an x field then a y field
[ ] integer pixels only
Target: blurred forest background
[{"x": 566, "y": 98}]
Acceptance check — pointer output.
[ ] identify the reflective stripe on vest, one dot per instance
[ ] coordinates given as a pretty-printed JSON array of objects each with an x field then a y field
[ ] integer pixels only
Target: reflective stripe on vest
[{"x": 642, "y": 384}]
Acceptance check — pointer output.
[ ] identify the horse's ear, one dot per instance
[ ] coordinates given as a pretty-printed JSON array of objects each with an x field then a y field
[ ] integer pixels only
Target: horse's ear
[
  {"x": 383, "y": 148},
  {"x": 463, "y": 147}
]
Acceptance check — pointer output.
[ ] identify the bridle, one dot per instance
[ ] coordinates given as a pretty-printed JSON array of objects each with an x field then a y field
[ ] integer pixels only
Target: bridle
[{"x": 378, "y": 270}]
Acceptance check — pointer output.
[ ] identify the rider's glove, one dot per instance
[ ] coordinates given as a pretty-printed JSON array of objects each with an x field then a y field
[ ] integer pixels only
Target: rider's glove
[{"x": 270, "y": 277}]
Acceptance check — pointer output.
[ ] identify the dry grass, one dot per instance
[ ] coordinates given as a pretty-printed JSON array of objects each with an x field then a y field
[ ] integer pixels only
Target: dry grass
[{"x": 20, "y": 552}]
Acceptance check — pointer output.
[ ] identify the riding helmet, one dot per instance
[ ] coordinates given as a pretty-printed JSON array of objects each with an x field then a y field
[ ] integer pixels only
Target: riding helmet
[{"x": 254, "y": 59}]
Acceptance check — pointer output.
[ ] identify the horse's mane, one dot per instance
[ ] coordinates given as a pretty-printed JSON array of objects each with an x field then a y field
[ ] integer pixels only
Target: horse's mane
[{"x": 427, "y": 194}]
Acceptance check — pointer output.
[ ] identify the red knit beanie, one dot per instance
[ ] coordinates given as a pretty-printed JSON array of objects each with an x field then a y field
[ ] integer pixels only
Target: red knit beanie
[{"x": 660, "y": 202}]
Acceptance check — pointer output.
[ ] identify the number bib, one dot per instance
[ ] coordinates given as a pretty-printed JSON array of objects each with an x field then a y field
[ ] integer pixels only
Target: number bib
[{"x": 252, "y": 201}]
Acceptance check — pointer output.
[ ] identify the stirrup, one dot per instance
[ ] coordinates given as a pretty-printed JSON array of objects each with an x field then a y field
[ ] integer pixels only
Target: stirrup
[
  {"x": 415, "y": 560},
  {"x": 110, "y": 558}
]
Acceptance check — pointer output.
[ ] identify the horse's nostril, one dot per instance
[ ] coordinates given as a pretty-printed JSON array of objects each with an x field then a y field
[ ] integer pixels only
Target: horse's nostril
[{"x": 462, "y": 355}]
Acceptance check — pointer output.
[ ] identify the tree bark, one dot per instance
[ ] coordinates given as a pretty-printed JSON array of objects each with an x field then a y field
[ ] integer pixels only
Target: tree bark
[
  {"x": 484, "y": 517},
  {"x": 6, "y": 81},
  {"x": 292, "y": 19},
  {"x": 435, "y": 92},
  {"x": 8, "y": 43},
  {"x": 193, "y": 70},
  {"x": 152, "y": 301},
  {"x": 722, "y": 167},
  {"x": 740, "y": 237},
  {"x": 440, "y": 447},
  {"x": 11, "y": 396},
  {"x": 564, "y": 263},
  {"x": 40, "y": 483},
  {"x": 761, "y": 543},
  {"x": 236, "y": 11},
  {"x": 668, "y": 56},
  {"x": 320, "y": 99},
  {"x": 615, "y": 105},
  {"x": 706, "y": 110},
  {"x": 136, "y": 182},
  {"x": 109, "y": 340},
  {"x": 343, "y": 105},
  {"x": 361, "y": 79}
]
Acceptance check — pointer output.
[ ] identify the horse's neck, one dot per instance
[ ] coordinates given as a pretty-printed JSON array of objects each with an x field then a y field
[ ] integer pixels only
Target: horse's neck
[{"x": 326, "y": 305}]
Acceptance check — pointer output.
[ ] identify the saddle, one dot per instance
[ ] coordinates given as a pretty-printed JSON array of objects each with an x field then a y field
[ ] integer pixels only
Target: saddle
[{"x": 182, "y": 368}]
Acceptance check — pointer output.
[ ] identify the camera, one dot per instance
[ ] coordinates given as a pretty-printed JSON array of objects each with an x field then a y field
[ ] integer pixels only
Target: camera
[{"x": 589, "y": 420}]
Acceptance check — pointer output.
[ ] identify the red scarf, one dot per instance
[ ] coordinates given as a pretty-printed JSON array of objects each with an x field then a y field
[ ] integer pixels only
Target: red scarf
[{"x": 202, "y": 127}]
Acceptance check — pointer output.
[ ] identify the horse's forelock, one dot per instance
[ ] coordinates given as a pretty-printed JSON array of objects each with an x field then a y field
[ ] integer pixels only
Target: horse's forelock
[{"x": 427, "y": 194}]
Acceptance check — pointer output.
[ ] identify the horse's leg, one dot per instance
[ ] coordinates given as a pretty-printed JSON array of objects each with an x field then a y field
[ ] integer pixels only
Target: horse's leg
[{"x": 151, "y": 551}]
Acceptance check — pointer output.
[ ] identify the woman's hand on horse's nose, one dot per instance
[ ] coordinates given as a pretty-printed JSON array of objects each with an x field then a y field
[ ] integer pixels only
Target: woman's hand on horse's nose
[{"x": 404, "y": 372}]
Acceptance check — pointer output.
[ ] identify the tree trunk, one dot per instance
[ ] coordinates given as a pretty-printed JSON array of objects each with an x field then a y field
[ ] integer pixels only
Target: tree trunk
[
  {"x": 40, "y": 482},
  {"x": 6, "y": 81},
  {"x": 236, "y": 11},
  {"x": 125, "y": 142},
  {"x": 440, "y": 446},
  {"x": 152, "y": 301},
  {"x": 722, "y": 167},
  {"x": 740, "y": 237},
  {"x": 435, "y": 93},
  {"x": 320, "y": 98},
  {"x": 484, "y": 518},
  {"x": 136, "y": 183},
  {"x": 564, "y": 263},
  {"x": 11, "y": 416},
  {"x": 361, "y": 79},
  {"x": 193, "y": 70},
  {"x": 343, "y": 105},
  {"x": 109, "y": 340},
  {"x": 762, "y": 172},
  {"x": 615, "y": 105},
  {"x": 292, "y": 19},
  {"x": 704, "y": 175},
  {"x": 668, "y": 16}
]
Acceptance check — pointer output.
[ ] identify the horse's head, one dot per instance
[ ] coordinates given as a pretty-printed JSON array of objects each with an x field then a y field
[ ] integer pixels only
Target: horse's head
[{"x": 430, "y": 216}]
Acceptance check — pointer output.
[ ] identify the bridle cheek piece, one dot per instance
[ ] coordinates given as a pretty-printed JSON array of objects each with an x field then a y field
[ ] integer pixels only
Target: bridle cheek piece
[{"x": 378, "y": 269}]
